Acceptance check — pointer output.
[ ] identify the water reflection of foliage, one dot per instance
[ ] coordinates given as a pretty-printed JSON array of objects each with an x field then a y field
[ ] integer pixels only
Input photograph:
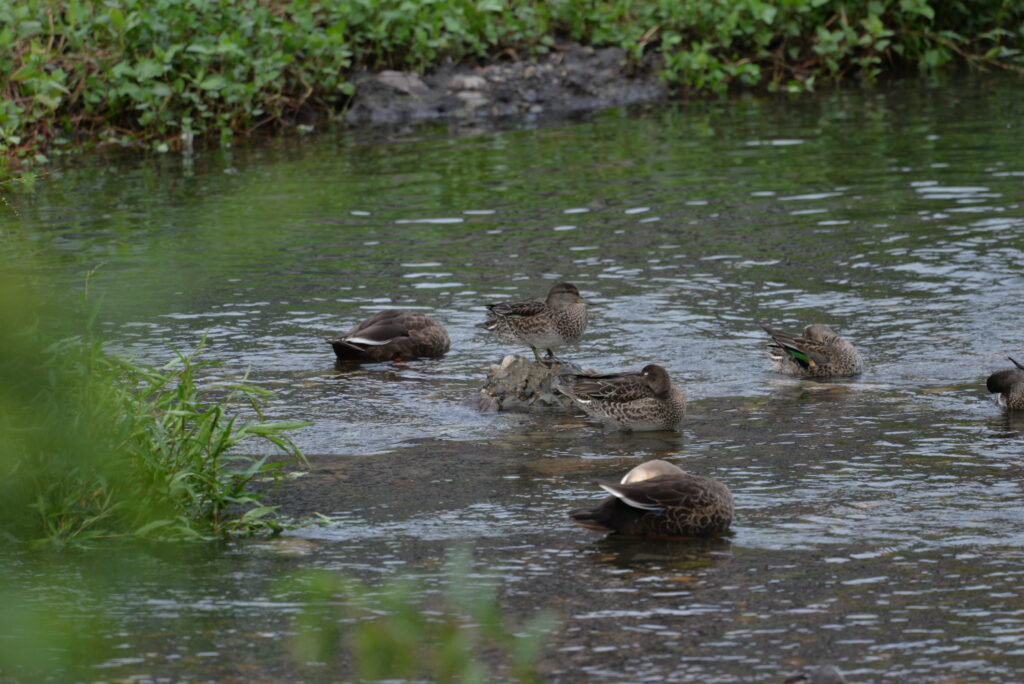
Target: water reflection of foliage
[
  {"x": 44, "y": 639},
  {"x": 391, "y": 633}
]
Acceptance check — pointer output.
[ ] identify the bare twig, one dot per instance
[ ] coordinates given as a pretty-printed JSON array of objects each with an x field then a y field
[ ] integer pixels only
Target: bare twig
[{"x": 969, "y": 56}]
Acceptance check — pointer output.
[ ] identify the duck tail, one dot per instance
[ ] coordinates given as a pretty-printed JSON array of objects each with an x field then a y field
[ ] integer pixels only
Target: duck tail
[
  {"x": 346, "y": 351},
  {"x": 591, "y": 519}
]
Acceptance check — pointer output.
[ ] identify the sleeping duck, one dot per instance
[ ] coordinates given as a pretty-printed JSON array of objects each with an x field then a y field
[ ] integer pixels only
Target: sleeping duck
[
  {"x": 392, "y": 335},
  {"x": 658, "y": 499}
]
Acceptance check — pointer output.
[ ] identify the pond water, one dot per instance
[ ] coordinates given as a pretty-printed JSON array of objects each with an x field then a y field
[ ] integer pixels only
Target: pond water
[{"x": 879, "y": 522}]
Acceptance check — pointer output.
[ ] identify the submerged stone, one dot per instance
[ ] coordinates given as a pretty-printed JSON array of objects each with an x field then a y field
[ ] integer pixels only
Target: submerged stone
[{"x": 518, "y": 384}]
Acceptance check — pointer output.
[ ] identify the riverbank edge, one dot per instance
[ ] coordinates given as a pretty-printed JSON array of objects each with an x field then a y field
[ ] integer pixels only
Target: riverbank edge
[
  {"x": 571, "y": 80},
  {"x": 164, "y": 78}
]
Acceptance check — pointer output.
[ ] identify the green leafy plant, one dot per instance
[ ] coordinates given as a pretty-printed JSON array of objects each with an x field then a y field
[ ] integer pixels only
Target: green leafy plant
[
  {"x": 164, "y": 72},
  {"x": 388, "y": 633},
  {"x": 93, "y": 445}
]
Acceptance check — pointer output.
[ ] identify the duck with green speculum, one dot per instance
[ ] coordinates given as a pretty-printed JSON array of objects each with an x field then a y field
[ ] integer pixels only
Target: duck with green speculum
[
  {"x": 392, "y": 335},
  {"x": 1008, "y": 386},
  {"x": 818, "y": 353},
  {"x": 659, "y": 499},
  {"x": 642, "y": 401},
  {"x": 549, "y": 323}
]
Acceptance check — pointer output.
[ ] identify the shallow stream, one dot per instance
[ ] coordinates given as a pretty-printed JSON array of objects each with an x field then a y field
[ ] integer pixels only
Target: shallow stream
[{"x": 879, "y": 522}]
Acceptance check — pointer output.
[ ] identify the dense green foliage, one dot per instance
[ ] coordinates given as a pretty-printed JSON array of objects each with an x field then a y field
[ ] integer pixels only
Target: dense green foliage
[
  {"x": 795, "y": 43},
  {"x": 165, "y": 71},
  {"x": 384, "y": 633},
  {"x": 93, "y": 445}
]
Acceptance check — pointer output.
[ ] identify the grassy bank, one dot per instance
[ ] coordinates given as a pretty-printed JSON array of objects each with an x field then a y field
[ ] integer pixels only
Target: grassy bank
[
  {"x": 164, "y": 72},
  {"x": 95, "y": 446}
]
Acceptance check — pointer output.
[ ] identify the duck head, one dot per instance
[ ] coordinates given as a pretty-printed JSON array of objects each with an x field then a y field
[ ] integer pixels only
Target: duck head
[
  {"x": 563, "y": 295},
  {"x": 657, "y": 379},
  {"x": 819, "y": 332}
]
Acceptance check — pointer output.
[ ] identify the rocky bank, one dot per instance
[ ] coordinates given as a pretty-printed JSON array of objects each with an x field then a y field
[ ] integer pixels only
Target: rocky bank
[{"x": 569, "y": 80}]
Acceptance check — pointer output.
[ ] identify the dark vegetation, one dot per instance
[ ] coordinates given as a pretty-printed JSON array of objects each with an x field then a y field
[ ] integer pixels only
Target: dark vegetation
[
  {"x": 96, "y": 446},
  {"x": 164, "y": 73}
]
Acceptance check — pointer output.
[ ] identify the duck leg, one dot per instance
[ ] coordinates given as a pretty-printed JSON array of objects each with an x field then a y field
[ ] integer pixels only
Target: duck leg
[{"x": 551, "y": 359}]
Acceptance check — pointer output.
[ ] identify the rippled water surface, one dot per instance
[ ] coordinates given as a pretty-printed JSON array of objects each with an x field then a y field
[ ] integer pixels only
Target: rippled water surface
[{"x": 879, "y": 524}]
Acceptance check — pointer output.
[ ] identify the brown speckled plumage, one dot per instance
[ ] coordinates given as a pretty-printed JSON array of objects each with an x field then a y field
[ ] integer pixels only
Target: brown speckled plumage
[
  {"x": 1008, "y": 386},
  {"x": 395, "y": 334},
  {"x": 658, "y": 499},
  {"x": 818, "y": 353},
  {"x": 647, "y": 400},
  {"x": 551, "y": 323}
]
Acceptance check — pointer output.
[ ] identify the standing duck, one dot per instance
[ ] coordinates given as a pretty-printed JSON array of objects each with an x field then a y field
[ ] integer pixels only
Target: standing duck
[
  {"x": 392, "y": 335},
  {"x": 818, "y": 353},
  {"x": 658, "y": 499},
  {"x": 554, "y": 322},
  {"x": 1008, "y": 386},
  {"x": 647, "y": 400}
]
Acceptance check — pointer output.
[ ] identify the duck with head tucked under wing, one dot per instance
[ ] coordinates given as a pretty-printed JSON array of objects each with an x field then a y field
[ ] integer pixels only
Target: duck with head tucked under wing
[
  {"x": 1008, "y": 386},
  {"x": 818, "y": 353},
  {"x": 392, "y": 335},
  {"x": 647, "y": 400},
  {"x": 549, "y": 323},
  {"x": 659, "y": 499},
  {"x": 824, "y": 674}
]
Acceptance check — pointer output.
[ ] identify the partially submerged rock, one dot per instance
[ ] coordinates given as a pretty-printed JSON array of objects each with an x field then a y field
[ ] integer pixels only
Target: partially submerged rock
[
  {"x": 402, "y": 82},
  {"x": 571, "y": 79},
  {"x": 519, "y": 384}
]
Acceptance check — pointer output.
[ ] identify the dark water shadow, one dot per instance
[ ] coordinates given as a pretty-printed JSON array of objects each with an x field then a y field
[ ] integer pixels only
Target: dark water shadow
[
  {"x": 636, "y": 553},
  {"x": 1006, "y": 424}
]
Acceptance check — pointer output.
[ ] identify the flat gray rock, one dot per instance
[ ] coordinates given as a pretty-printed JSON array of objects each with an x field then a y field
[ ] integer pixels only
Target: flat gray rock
[{"x": 403, "y": 82}]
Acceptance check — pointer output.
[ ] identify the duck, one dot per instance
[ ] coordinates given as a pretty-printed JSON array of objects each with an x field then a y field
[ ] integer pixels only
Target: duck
[
  {"x": 1008, "y": 386},
  {"x": 818, "y": 353},
  {"x": 642, "y": 401},
  {"x": 550, "y": 323},
  {"x": 825, "y": 674},
  {"x": 392, "y": 335},
  {"x": 660, "y": 499}
]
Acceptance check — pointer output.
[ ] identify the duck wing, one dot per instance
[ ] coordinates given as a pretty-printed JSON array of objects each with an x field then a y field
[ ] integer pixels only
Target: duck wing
[
  {"x": 805, "y": 352},
  {"x": 379, "y": 329},
  {"x": 617, "y": 388},
  {"x": 658, "y": 493},
  {"x": 530, "y": 307}
]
